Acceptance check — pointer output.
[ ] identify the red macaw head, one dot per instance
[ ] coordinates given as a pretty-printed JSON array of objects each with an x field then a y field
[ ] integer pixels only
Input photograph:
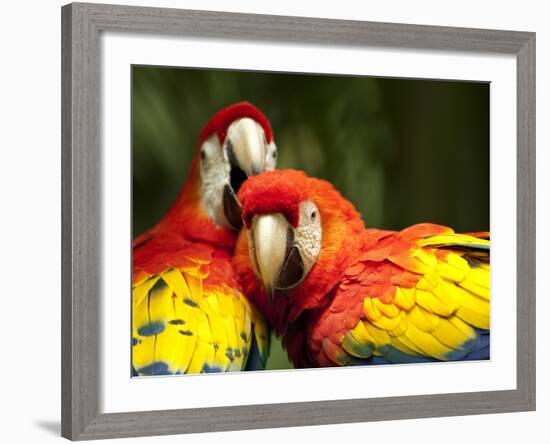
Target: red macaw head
[
  {"x": 236, "y": 143},
  {"x": 300, "y": 231}
]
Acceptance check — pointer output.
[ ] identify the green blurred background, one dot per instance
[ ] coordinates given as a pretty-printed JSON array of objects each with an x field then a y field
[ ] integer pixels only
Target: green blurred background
[{"x": 403, "y": 151}]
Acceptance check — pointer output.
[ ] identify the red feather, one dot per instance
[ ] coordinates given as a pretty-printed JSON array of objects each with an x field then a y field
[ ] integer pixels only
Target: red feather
[
  {"x": 220, "y": 122},
  {"x": 270, "y": 195}
]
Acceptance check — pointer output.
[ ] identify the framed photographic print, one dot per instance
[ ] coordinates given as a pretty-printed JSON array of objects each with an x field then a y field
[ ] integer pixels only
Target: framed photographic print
[{"x": 280, "y": 221}]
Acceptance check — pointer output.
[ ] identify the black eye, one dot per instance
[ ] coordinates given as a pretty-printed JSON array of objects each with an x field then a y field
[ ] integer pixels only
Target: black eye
[
  {"x": 274, "y": 154},
  {"x": 203, "y": 154},
  {"x": 313, "y": 215}
]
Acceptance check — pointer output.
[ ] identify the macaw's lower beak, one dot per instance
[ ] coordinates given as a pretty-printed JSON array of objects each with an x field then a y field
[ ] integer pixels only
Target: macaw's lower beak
[
  {"x": 246, "y": 153},
  {"x": 232, "y": 208},
  {"x": 278, "y": 261}
]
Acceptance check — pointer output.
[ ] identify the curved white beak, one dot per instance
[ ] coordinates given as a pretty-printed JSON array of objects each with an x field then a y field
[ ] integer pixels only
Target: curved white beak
[
  {"x": 247, "y": 148},
  {"x": 269, "y": 235},
  {"x": 278, "y": 262}
]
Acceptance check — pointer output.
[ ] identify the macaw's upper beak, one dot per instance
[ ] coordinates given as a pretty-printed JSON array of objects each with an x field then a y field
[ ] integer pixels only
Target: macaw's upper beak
[
  {"x": 277, "y": 259},
  {"x": 246, "y": 148},
  {"x": 246, "y": 152}
]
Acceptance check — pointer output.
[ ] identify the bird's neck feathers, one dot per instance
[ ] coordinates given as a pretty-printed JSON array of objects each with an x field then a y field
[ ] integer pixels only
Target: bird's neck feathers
[
  {"x": 188, "y": 218},
  {"x": 342, "y": 243}
]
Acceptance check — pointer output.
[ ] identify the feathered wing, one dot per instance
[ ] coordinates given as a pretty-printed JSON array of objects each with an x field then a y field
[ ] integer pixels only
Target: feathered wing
[
  {"x": 188, "y": 315},
  {"x": 421, "y": 294}
]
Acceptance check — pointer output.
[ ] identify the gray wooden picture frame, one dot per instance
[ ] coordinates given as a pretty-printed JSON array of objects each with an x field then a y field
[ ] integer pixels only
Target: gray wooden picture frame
[{"x": 81, "y": 172}]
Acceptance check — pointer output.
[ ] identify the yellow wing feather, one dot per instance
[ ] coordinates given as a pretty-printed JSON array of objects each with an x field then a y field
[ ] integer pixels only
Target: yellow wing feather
[
  {"x": 439, "y": 318},
  {"x": 181, "y": 326}
]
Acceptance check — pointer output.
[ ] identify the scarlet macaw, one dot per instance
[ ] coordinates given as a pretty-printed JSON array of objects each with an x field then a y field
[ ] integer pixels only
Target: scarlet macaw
[
  {"x": 189, "y": 315},
  {"x": 342, "y": 294}
]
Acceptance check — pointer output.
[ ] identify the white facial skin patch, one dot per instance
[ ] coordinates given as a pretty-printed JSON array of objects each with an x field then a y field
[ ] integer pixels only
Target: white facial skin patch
[
  {"x": 308, "y": 234},
  {"x": 271, "y": 156}
]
